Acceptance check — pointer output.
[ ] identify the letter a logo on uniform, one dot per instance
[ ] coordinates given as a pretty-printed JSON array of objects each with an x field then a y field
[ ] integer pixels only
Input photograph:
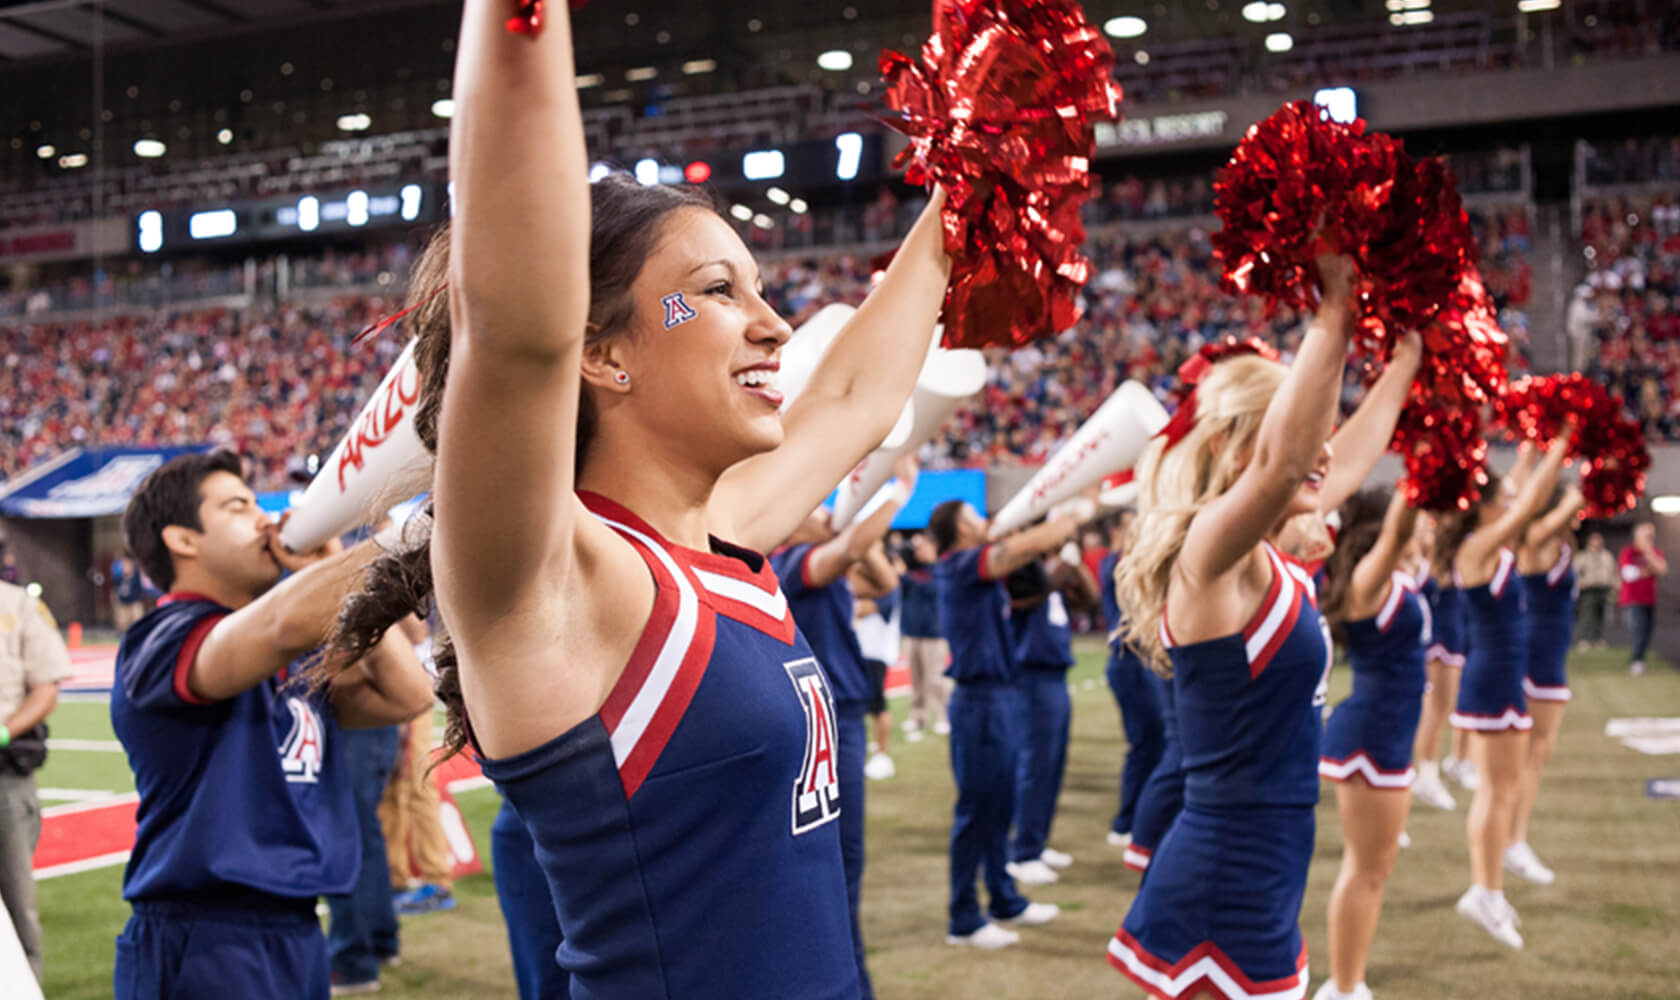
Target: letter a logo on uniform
[
  {"x": 816, "y": 793},
  {"x": 676, "y": 310}
]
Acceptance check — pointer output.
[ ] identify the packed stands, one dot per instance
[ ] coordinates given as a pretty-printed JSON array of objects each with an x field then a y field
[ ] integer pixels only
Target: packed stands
[{"x": 1624, "y": 320}]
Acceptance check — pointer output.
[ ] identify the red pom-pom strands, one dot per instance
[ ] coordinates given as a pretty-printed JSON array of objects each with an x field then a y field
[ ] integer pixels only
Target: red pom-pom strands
[
  {"x": 528, "y": 16},
  {"x": 1000, "y": 110},
  {"x": 1444, "y": 451},
  {"x": 1300, "y": 185},
  {"x": 1609, "y": 443}
]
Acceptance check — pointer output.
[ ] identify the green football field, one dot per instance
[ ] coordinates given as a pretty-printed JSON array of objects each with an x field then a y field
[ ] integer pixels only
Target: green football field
[{"x": 1609, "y": 928}]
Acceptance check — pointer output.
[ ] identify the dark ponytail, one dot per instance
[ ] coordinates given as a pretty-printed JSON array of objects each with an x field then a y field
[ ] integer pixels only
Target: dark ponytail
[
  {"x": 1452, "y": 529},
  {"x": 1362, "y": 521},
  {"x": 626, "y": 224}
]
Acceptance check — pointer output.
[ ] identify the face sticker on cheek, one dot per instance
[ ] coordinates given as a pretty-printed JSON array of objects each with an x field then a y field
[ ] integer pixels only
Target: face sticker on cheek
[{"x": 677, "y": 310}]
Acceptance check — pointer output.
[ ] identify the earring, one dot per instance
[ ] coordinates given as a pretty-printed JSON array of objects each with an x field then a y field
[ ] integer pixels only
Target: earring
[{"x": 622, "y": 378}]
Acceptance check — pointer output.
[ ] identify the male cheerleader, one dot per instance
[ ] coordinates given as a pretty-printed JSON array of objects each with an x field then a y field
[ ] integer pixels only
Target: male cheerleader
[{"x": 246, "y": 813}]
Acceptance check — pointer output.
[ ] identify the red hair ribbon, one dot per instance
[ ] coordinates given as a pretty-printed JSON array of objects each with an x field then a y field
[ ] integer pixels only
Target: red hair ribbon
[
  {"x": 375, "y": 329},
  {"x": 1192, "y": 372}
]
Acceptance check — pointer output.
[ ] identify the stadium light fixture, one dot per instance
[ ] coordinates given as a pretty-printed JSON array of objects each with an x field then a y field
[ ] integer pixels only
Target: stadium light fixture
[
  {"x": 1411, "y": 17},
  {"x": 694, "y": 67},
  {"x": 587, "y": 80},
  {"x": 598, "y": 170},
  {"x": 225, "y": 136},
  {"x": 149, "y": 149},
  {"x": 73, "y": 161},
  {"x": 1535, "y": 7},
  {"x": 641, "y": 74},
  {"x": 1125, "y": 27},
  {"x": 213, "y": 225},
  {"x": 1140, "y": 57},
  {"x": 309, "y": 213},
  {"x": 444, "y": 107},
  {"x": 411, "y": 194},
  {"x": 1667, "y": 506},
  {"x": 356, "y": 208},
  {"x": 357, "y": 122},
  {"x": 151, "y": 231},
  {"x": 1279, "y": 41},
  {"x": 763, "y": 165},
  {"x": 647, "y": 172},
  {"x": 1261, "y": 12},
  {"x": 798, "y": 207},
  {"x": 698, "y": 172},
  {"x": 45, "y": 152},
  {"x": 835, "y": 60},
  {"x": 763, "y": 221},
  {"x": 741, "y": 212},
  {"x": 778, "y": 196},
  {"x": 1341, "y": 103}
]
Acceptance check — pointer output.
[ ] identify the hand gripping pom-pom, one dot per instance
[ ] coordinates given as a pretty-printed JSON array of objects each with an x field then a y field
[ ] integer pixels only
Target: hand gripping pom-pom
[
  {"x": 1607, "y": 441},
  {"x": 528, "y": 16},
  {"x": 1000, "y": 110}
]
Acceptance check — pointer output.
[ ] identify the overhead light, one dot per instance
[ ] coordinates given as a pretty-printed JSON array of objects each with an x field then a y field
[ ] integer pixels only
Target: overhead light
[
  {"x": 1534, "y": 7},
  {"x": 356, "y": 208},
  {"x": 354, "y": 123},
  {"x": 151, "y": 231},
  {"x": 1140, "y": 57},
  {"x": 309, "y": 213},
  {"x": 763, "y": 165},
  {"x": 763, "y": 221},
  {"x": 225, "y": 136},
  {"x": 411, "y": 195},
  {"x": 212, "y": 225},
  {"x": 71, "y": 161},
  {"x": 698, "y": 172},
  {"x": 835, "y": 60},
  {"x": 778, "y": 196},
  {"x": 640, "y": 73},
  {"x": 45, "y": 152},
  {"x": 647, "y": 172},
  {"x": 1411, "y": 17},
  {"x": 1340, "y": 103},
  {"x": 598, "y": 170},
  {"x": 1261, "y": 12},
  {"x": 1125, "y": 27},
  {"x": 587, "y": 80},
  {"x": 694, "y": 67},
  {"x": 149, "y": 148},
  {"x": 1279, "y": 41},
  {"x": 1665, "y": 505},
  {"x": 444, "y": 107},
  {"x": 741, "y": 212},
  {"x": 797, "y": 206}
]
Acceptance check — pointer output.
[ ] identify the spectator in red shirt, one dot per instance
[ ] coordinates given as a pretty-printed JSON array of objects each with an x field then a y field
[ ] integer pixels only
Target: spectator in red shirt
[{"x": 1641, "y": 563}]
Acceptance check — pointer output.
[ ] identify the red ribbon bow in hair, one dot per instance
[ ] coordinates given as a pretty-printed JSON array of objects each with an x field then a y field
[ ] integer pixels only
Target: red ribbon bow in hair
[{"x": 1194, "y": 370}]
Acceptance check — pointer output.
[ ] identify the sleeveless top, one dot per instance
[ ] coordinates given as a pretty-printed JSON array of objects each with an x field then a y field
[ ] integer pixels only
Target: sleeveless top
[
  {"x": 1498, "y": 624},
  {"x": 1250, "y": 705},
  {"x": 1551, "y": 595},
  {"x": 1386, "y": 651},
  {"x": 687, "y": 830}
]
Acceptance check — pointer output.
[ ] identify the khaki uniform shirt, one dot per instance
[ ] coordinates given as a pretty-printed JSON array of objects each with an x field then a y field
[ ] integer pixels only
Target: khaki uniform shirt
[
  {"x": 31, "y": 651},
  {"x": 1596, "y": 569}
]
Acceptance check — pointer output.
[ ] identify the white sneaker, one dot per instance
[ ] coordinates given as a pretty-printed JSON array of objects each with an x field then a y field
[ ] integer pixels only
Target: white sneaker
[
  {"x": 941, "y": 728},
  {"x": 1033, "y": 872},
  {"x": 1520, "y": 860},
  {"x": 1035, "y": 915},
  {"x": 879, "y": 768},
  {"x": 1494, "y": 915},
  {"x": 1467, "y": 775},
  {"x": 911, "y": 726},
  {"x": 1329, "y": 992},
  {"x": 1637, "y": 668},
  {"x": 1055, "y": 858},
  {"x": 1429, "y": 789},
  {"x": 1405, "y": 840},
  {"x": 989, "y": 937},
  {"x": 915, "y": 736},
  {"x": 1120, "y": 840}
]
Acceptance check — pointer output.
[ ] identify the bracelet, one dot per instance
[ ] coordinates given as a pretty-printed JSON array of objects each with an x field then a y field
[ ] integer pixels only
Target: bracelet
[{"x": 5, "y": 735}]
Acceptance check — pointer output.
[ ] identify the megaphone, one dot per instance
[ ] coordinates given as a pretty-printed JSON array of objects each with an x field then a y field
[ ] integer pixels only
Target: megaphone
[
  {"x": 1118, "y": 491},
  {"x": 1112, "y": 439},
  {"x": 805, "y": 349},
  {"x": 379, "y": 461},
  {"x": 947, "y": 380}
]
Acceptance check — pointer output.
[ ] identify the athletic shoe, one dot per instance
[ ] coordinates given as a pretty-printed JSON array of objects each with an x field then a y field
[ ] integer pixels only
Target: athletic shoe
[
  {"x": 1429, "y": 789},
  {"x": 1495, "y": 916},
  {"x": 1637, "y": 668},
  {"x": 941, "y": 728},
  {"x": 391, "y": 962},
  {"x": 1405, "y": 840},
  {"x": 1461, "y": 771},
  {"x": 989, "y": 937},
  {"x": 1120, "y": 840},
  {"x": 425, "y": 899},
  {"x": 1520, "y": 860},
  {"x": 1032, "y": 872},
  {"x": 911, "y": 726},
  {"x": 1329, "y": 992},
  {"x": 1035, "y": 915},
  {"x": 879, "y": 768},
  {"x": 1055, "y": 858},
  {"x": 340, "y": 988},
  {"x": 915, "y": 736}
]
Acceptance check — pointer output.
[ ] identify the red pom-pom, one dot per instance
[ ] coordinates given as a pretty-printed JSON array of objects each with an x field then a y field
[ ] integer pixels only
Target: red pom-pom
[
  {"x": 1444, "y": 451},
  {"x": 1000, "y": 111},
  {"x": 1300, "y": 185},
  {"x": 1610, "y": 443}
]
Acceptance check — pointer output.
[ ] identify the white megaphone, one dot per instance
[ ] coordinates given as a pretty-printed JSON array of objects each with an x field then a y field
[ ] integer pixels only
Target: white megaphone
[
  {"x": 805, "y": 349},
  {"x": 948, "y": 379},
  {"x": 1112, "y": 439},
  {"x": 380, "y": 461},
  {"x": 1118, "y": 491}
]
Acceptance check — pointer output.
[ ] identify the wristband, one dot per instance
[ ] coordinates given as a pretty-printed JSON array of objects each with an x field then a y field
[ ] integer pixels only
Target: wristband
[{"x": 5, "y": 736}]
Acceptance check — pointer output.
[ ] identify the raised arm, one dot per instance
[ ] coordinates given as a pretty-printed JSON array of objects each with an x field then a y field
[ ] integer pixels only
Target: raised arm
[
  {"x": 830, "y": 560},
  {"x": 519, "y": 289},
  {"x": 1483, "y": 543},
  {"x": 386, "y": 687},
  {"x": 852, "y": 401},
  {"x": 1361, "y": 440},
  {"x": 1074, "y": 579},
  {"x": 1009, "y": 554},
  {"x": 874, "y": 576},
  {"x": 1558, "y": 520},
  {"x": 1291, "y": 438},
  {"x": 1373, "y": 571}
]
